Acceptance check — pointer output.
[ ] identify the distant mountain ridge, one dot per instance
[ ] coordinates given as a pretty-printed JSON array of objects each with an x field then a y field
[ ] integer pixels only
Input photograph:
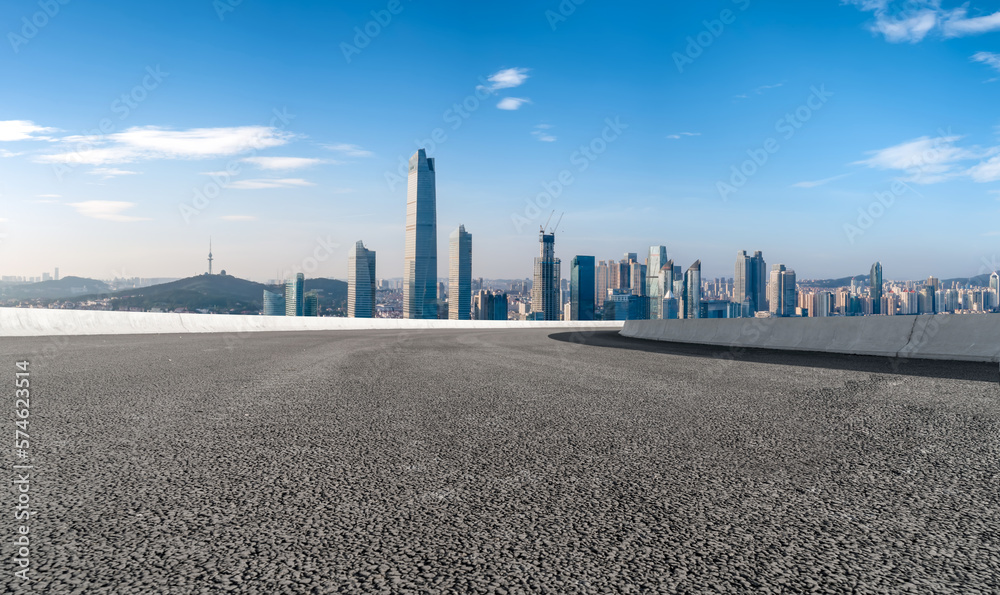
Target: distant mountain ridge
[
  {"x": 219, "y": 292},
  {"x": 67, "y": 287}
]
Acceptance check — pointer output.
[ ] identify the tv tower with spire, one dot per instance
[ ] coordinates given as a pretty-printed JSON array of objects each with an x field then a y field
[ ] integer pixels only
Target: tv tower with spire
[{"x": 210, "y": 255}]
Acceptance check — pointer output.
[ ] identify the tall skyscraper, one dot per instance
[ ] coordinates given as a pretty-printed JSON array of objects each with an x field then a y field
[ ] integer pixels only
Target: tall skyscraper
[
  {"x": 545, "y": 290},
  {"x": 582, "y": 299},
  {"x": 934, "y": 283},
  {"x": 750, "y": 282},
  {"x": 994, "y": 288},
  {"x": 274, "y": 304},
  {"x": 360, "y": 282},
  {"x": 787, "y": 293},
  {"x": 420, "y": 252},
  {"x": 875, "y": 288},
  {"x": 603, "y": 281},
  {"x": 637, "y": 278},
  {"x": 692, "y": 291},
  {"x": 654, "y": 280},
  {"x": 57, "y": 274},
  {"x": 772, "y": 289},
  {"x": 295, "y": 296},
  {"x": 460, "y": 275}
]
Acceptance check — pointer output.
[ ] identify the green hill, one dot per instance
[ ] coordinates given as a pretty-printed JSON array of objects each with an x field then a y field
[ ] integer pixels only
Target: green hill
[{"x": 219, "y": 293}]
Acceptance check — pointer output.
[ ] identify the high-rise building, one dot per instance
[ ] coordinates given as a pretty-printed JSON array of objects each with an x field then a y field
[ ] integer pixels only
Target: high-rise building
[
  {"x": 655, "y": 288},
  {"x": 750, "y": 283},
  {"x": 274, "y": 304},
  {"x": 310, "y": 304},
  {"x": 603, "y": 281},
  {"x": 57, "y": 274},
  {"x": 773, "y": 301},
  {"x": 489, "y": 305},
  {"x": 420, "y": 253},
  {"x": 460, "y": 274},
  {"x": 360, "y": 282},
  {"x": 691, "y": 298},
  {"x": 545, "y": 299},
  {"x": 582, "y": 299},
  {"x": 294, "y": 296},
  {"x": 875, "y": 288},
  {"x": 637, "y": 278},
  {"x": 785, "y": 292},
  {"x": 994, "y": 288}
]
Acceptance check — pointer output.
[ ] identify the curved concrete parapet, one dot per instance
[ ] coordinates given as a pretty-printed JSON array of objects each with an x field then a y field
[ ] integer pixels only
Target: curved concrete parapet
[
  {"x": 33, "y": 322},
  {"x": 967, "y": 337}
]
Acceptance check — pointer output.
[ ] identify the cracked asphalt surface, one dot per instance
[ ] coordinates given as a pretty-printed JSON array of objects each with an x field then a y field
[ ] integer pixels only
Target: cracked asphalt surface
[{"x": 500, "y": 462}]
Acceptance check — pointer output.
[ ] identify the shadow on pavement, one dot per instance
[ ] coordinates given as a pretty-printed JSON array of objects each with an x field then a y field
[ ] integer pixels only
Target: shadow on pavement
[{"x": 974, "y": 371}]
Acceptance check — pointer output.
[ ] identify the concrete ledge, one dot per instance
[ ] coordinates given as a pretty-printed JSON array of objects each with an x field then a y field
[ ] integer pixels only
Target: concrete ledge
[
  {"x": 965, "y": 337},
  {"x": 35, "y": 322}
]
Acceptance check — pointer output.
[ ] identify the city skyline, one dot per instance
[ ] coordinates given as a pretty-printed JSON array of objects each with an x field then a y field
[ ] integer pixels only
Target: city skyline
[{"x": 135, "y": 171}]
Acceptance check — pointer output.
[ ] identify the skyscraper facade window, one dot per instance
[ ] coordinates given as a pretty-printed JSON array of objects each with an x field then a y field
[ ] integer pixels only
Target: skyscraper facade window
[
  {"x": 274, "y": 304},
  {"x": 692, "y": 291}
]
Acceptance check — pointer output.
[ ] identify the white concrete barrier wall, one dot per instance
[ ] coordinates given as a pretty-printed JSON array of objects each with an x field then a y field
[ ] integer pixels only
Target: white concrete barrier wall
[
  {"x": 968, "y": 337},
  {"x": 34, "y": 322}
]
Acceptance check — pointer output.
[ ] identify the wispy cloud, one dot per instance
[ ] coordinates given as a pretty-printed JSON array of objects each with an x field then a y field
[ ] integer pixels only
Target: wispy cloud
[
  {"x": 14, "y": 130},
  {"x": 350, "y": 150},
  {"x": 758, "y": 91},
  {"x": 541, "y": 132},
  {"x": 991, "y": 234},
  {"x": 152, "y": 142},
  {"x": 815, "y": 183},
  {"x": 512, "y": 103},
  {"x": 283, "y": 163},
  {"x": 6, "y": 153},
  {"x": 928, "y": 160},
  {"x": 987, "y": 58},
  {"x": 107, "y": 210},
  {"x": 900, "y": 21},
  {"x": 681, "y": 135},
  {"x": 238, "y": 218},
  {"x": 507, "y": 78},
  {"x": 111, "y": 172},
  {"x": 265, "y": 183}
]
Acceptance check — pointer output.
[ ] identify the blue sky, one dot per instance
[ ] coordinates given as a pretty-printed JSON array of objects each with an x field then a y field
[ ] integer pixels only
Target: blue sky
[{"x": 131, "y": 132}]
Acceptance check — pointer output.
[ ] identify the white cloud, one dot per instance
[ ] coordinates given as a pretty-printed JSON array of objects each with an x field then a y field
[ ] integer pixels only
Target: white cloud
[
  {"x": 540, "y": 133},
  {"x": 111, "y": 172},
  {"x": 958, "y": 25},
  {"x": 928, "y": 160},
  {"x": 350, "y": 150},
  {"x": 987, "y": 58},
  {"x": 261, "y": 184},
  {"x": 152, "y": 142},
  {"x": 991, "y": 234},
  {"x": 815, "y": 183},
  {"x": 508, "y": 78},
  {"x": 987, "y": 171},
  {"x": 758, "y": 91},
  {"x": 680, "y": 135},
  {"x": 238, "y": 218},
  {"x": 282, "y": 162},
  {"x": 6, "y": 153},
  {"x": 106, "y": 209},
  {"x": 512, "y": 103},
  {"x": 50, "y": 196},
  {"x": 912, "y": 20},
  {"x": 13, "y": 130}
]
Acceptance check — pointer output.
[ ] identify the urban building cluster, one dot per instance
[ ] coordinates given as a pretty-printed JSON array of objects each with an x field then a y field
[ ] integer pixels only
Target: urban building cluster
[{"x": 634, "y": 287}]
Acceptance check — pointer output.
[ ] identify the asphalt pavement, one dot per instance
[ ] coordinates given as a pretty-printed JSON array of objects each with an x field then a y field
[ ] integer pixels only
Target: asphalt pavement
[{"x": 502, "y": 461}]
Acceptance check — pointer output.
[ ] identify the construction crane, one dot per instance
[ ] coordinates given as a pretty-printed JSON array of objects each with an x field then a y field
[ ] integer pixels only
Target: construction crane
[{"x": 558, "y": 221}]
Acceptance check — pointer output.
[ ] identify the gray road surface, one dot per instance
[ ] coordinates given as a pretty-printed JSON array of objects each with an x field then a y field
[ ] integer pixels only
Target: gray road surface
[{"x": 499, "y": 462}]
